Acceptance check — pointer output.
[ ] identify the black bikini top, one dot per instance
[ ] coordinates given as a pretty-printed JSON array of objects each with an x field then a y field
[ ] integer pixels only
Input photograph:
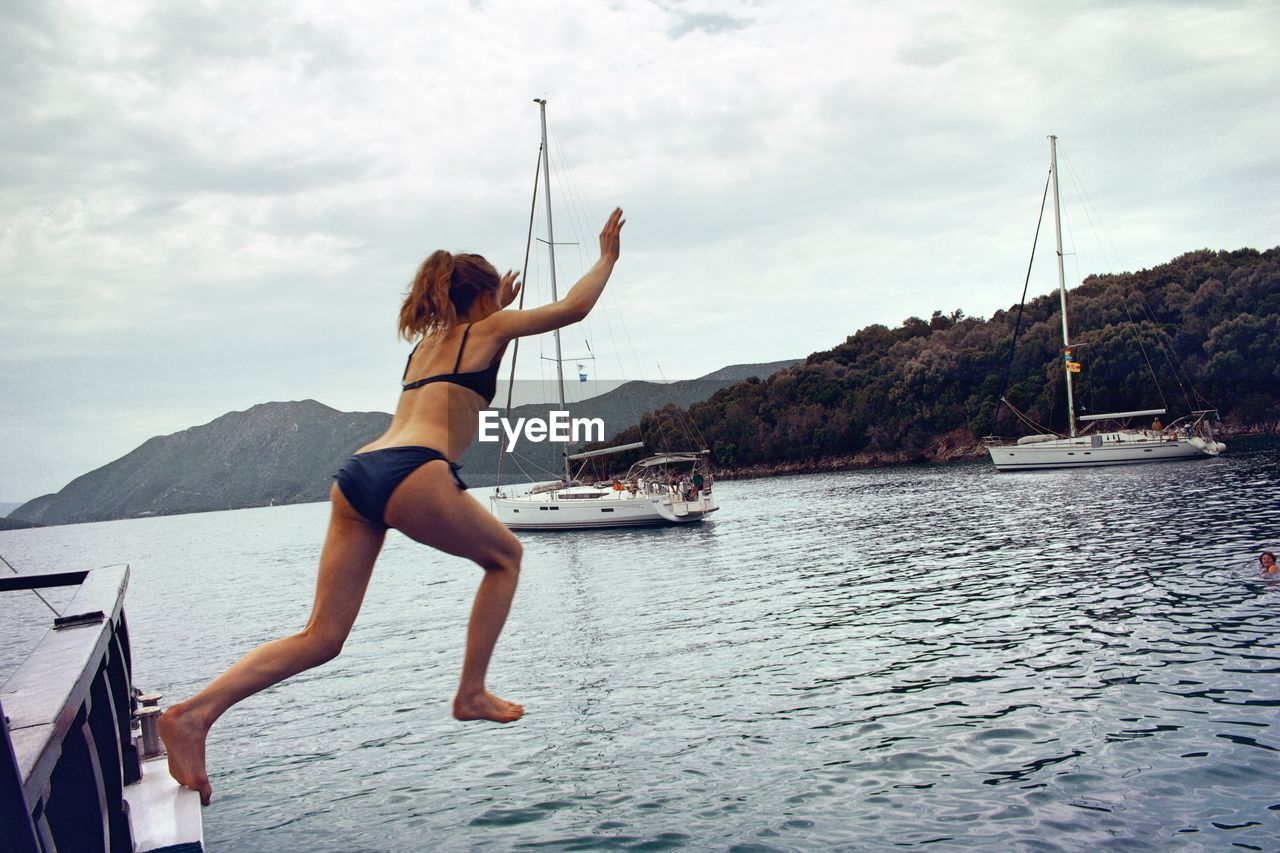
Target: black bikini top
[{"x": 484, "y": 382}]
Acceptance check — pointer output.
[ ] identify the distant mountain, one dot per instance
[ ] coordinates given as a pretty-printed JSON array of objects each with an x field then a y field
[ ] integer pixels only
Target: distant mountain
[
  {"x": 272, "y": 453},
  {"x": 6, "y": 508},
  {"x": 619, "y": 409},
  {"x": 281, "y": 453},
  {"x": 739, "y": 372}
]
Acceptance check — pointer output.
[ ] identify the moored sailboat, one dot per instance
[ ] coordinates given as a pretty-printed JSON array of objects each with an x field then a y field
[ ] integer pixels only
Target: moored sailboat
[
  {"x": 1189, "y": 437},
  {"x": 662, "y": 489}
]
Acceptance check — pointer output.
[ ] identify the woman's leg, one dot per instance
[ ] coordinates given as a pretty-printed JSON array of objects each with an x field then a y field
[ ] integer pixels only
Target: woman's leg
[
  {"x": 429, "y": 508},
  {"x": 346, "y": 562}
]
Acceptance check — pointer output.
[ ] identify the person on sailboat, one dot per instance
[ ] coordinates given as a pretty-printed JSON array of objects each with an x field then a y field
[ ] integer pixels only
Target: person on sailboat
[{"x": 456, "y": 308}]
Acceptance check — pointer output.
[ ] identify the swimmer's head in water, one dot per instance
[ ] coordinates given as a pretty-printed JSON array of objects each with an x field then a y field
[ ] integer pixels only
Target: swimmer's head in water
[
  {"x": 445, "y": 288},
  {"x": 1267, "y": 558}
]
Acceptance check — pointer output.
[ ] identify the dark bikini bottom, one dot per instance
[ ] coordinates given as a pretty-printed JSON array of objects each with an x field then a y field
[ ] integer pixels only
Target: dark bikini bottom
[{"x": 368, "y": 479}]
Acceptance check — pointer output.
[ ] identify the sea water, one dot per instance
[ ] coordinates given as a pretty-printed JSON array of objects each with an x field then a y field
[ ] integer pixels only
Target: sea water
[{"x": 888, "y": 658}]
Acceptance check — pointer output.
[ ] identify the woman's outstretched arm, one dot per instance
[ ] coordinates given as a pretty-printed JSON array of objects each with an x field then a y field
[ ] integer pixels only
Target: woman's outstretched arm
[{"x": 580, "y": 299}]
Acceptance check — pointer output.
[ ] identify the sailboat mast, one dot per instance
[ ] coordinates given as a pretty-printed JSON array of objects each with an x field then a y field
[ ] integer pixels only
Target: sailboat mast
[
  {"x": 1062, "y": 285},
  {"x": 551, "y": 254}
]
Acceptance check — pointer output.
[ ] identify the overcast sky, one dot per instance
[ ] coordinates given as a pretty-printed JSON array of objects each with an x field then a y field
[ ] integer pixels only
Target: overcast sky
[{"x": 211, "y": 205}]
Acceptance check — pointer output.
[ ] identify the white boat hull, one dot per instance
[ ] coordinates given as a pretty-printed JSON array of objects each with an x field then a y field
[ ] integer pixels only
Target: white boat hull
[
  {"x": 1117, "y": 448},
  {"x": 575, "y": 509}
]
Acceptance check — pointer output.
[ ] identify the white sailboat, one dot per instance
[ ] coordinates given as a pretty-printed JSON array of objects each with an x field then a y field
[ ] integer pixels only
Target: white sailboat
[
  {"x": 662, "y": 489},
  {"x": 1190, "y": 437}
]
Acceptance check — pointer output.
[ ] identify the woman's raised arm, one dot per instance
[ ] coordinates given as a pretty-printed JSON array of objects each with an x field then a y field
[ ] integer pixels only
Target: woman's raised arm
[{"x": 577, "y": 303}]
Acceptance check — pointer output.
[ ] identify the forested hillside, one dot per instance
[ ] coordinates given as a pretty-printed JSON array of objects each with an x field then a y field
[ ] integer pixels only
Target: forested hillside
[{"x": 1208, "y": 323}]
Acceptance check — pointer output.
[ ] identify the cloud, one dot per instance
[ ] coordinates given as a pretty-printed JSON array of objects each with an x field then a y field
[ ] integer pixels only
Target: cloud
[{"x": 212, "y": 205}]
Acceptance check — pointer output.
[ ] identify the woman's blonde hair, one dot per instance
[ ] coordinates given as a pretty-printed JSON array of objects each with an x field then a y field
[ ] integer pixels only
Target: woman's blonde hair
[{"x": 445, "y": 287}]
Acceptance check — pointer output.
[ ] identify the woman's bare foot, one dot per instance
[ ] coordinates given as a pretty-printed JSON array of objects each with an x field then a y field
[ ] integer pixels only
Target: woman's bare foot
[
  {"x": 183, "y": 738},
  {"x": 485, "y": 706}
]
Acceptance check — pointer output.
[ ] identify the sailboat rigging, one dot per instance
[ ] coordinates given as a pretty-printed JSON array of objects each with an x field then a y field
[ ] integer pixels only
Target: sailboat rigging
[
  {"x": 662, "y": 489},
  {"x": 1189, "y": 437}
]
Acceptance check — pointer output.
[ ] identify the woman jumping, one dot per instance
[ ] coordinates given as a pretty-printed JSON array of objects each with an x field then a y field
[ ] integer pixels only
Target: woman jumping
[{"x": 405, "y": 480}]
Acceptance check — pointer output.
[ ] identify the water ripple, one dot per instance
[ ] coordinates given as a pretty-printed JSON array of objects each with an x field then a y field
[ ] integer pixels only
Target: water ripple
[{"x": 894, "y": 658}]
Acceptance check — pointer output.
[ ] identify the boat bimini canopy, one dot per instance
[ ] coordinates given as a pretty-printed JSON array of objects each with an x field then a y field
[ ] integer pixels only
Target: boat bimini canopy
[{"x": 1116, "y": 416}]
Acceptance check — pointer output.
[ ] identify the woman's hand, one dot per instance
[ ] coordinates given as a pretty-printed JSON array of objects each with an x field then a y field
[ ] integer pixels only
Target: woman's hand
[
  {"x": 508, "y": 289},
  {"x": 574, "y": 305},
  {"x": 610, "y": 244}
]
